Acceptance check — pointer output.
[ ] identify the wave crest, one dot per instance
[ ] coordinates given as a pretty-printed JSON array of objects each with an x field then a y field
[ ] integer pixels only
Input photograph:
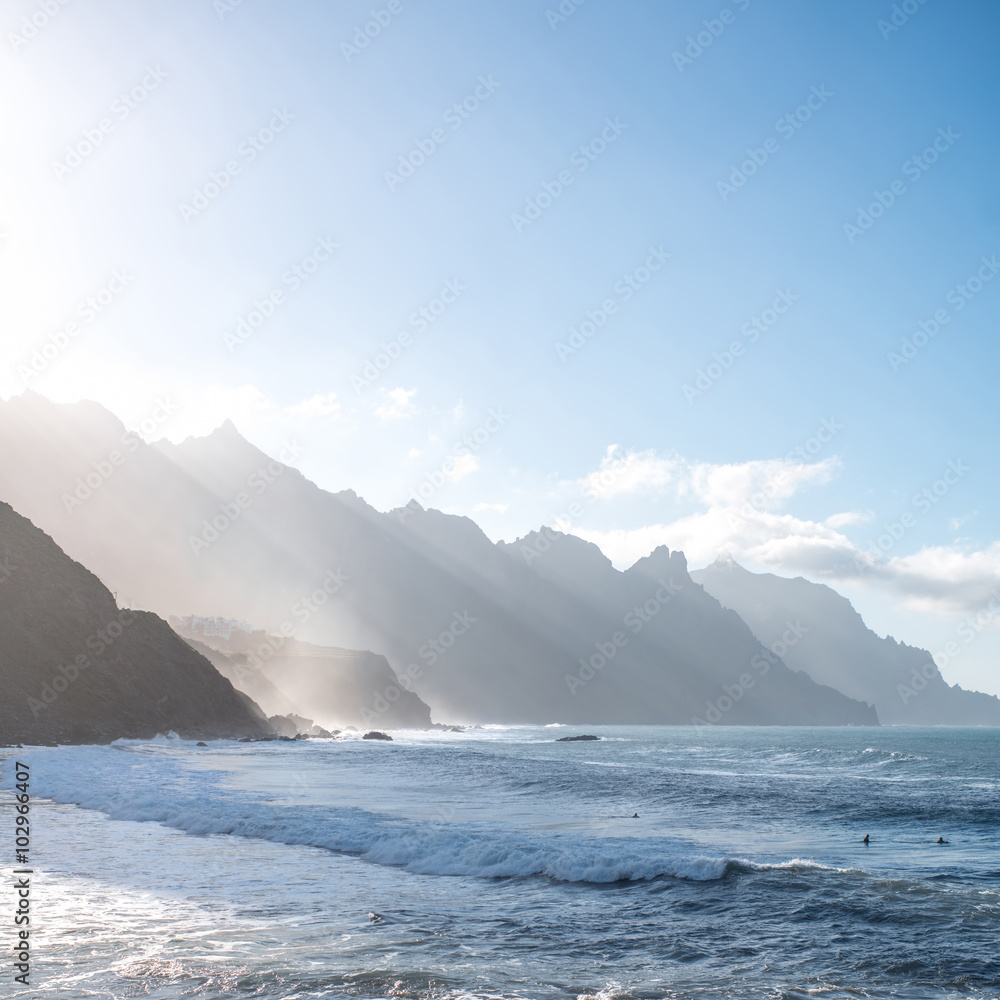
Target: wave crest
[{"x": 199, "y": 802}]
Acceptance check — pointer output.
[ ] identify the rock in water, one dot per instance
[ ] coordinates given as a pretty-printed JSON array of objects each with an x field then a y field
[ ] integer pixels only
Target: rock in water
[
  {"x": 577, "y": 739},
  {"x": 283, "y": 725},
  {"x": 376, "y": 736}
]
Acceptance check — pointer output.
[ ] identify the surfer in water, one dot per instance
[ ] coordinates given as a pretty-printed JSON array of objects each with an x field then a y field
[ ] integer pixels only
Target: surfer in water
[
  {"x": 865, "y": 839},
  {"x": 941, "y": 840}
]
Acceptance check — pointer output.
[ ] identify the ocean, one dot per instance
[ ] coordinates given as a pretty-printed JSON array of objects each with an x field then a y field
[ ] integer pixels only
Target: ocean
[{"x": 498, "y": 862}]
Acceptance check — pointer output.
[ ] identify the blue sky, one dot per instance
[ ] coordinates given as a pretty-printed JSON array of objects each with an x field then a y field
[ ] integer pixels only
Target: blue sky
[{"x": 645, "y": 139}]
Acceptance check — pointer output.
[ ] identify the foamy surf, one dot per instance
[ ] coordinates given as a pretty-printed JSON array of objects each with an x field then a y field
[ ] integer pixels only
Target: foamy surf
[
  {"x": 506, "y": 865},
  {"x": 198, "y": 802}
]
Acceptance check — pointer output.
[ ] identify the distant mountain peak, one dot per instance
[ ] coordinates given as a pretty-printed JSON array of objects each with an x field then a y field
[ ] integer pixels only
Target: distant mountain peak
[
  {"x": 226, "y": 433},
  {"x": 660, "y": 561},
  {"x": 487, "y": 633},
  {"x": 82, "y": 413},
  {"x": 567, "y": 545},
  {"x": 832, "y": 644},
  {"x": 226, "y": 427}
]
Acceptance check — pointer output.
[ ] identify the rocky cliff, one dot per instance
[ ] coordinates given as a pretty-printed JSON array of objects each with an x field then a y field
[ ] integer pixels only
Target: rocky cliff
[{"x": 76, "y": 668}]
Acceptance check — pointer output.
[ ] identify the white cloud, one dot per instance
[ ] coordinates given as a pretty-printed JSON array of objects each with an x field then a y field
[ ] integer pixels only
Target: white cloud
[
  {"x": 850, "y": 517},
  {"x": 629, "y": 473},
  {"x": 316, "y": 406},
  {"x": 762, "y": 484},
  {"x": 941, "y": 580},
  {"x": 946, "y": 578},
  {"x": 768, "y": 540},
  {"x": 496, "y": 508},
  {"x": 742, "y": 515},
  {"x": 956, "y": 522},
  {"x": 396, "y": 404},
  {"x": 461, "y": 466}
]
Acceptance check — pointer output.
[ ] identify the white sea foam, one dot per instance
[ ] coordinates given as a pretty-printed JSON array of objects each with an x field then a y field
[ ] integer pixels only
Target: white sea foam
[
  {"x": 226, "y": 916},
  {"x": 198, "y": 802}
]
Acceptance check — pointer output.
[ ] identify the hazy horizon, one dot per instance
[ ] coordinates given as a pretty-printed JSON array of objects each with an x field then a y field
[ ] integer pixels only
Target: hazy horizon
[
  {"x": 576, "y": 269},
  {"x": 986, "y": 680},
  {"x": 677, "y": 321}
]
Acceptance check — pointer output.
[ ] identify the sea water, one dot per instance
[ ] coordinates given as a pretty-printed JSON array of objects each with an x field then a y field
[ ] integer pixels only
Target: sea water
[{"x": 499, "y": 862}]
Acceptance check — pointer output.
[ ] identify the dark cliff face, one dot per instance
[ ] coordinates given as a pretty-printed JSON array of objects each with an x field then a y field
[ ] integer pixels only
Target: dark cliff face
[
  {"x": 74, "y": 668},
  {"x": 524, "y": 632}
]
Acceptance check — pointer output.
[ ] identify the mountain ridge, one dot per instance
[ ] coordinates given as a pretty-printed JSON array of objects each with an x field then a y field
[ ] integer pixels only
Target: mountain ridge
[
  {"x": 485, "y": 635},
  {"x": 837, "y": 648}
]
